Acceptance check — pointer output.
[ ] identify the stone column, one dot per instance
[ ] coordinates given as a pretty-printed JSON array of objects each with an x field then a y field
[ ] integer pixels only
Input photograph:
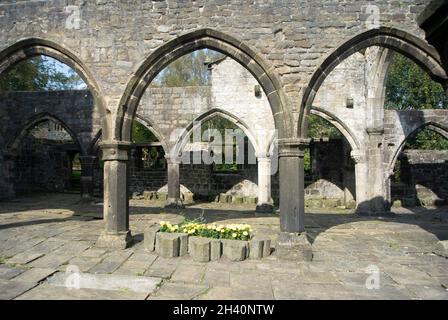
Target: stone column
[
  {"x": 116, "y": 204},
  {"x": 265, "y": 203},
  {"x": 361, "y": 181},
  {"x": 174, "y": 200},
  {"x": 376, "y": 194},
  {"x": 87, "y": 169},
  {"x": 292, "y": 242}
]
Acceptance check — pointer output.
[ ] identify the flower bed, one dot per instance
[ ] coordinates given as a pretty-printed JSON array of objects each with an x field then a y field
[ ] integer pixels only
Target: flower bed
[
  {"x": 214, "y": 231},
  {"x": 206, "y": 242}
]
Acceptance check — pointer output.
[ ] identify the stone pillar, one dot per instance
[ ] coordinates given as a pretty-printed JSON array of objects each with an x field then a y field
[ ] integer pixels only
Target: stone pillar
[
  {"x": 361, "y": 181},
  {"x": 116, "y": 203},
  {"x": 174, "y": 200},
  {"x": 87, "y": 169},
  {"x": 265, "y": 203},
  {"x": 377, "y": 196},
  {"x": 292, "y": 242}
]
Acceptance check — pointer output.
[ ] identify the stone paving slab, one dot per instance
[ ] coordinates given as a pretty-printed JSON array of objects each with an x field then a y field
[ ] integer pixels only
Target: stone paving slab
[
  {"x": 183, "y": 291},
  {"x": 7, "y": 272},
  {"x": 105, "y": 282},
  {"x": 49, "y": 292},
  {"x": 35, "y": 275},
  {"x": 10, "y": 289},
  {"x": 344, "y": 246}
]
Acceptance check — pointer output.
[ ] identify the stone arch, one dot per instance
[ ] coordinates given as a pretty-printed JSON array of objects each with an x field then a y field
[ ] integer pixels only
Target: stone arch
[
  {"x": 13, "y": 145},
  {"x": 208, "y": 115},
  {"x": 32, "y": 47},
  {"x": 154, "y": 130},
  {"x": 339, "y": 124},
  {"x": 397, "y": 40},
  {"x": 440, "y": 128},
  {"x": 201, "y": 39}
]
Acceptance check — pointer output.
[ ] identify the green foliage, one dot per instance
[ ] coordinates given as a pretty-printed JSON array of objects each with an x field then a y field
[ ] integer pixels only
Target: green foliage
[
  {"x": 141, "y": 134},
  {"x": 40, "y": 74},
  {"x": 188, "y": 70},
  {"x": 409, "y": 87},
  {"x": 221, "y": 124},
  {"x": 320, "y": 128},
  {"x": 427, "y": 140},
  {"x": 307, "y": 162}
]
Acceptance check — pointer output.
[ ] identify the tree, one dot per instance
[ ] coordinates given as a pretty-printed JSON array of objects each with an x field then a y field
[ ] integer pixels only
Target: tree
[
  {"x": 40, "y": 74},
  {"x": 409, "y": 87},
  {"x": 427, "y": 140},
  {"x": 188, "y": 70},
  {"x": 141, "y": 134}
]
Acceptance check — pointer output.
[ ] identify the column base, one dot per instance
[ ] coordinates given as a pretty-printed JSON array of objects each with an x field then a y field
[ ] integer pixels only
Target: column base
[
  {"x": 119, "y": 241},
  {"x": 294, "y": 246},
  {"x": 174, "y": 204},
  {"x": 265, "y": 208}
]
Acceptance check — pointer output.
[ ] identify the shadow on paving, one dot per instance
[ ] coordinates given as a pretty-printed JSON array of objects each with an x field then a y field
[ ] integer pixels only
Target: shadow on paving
[{"x": 432, "y": 220}]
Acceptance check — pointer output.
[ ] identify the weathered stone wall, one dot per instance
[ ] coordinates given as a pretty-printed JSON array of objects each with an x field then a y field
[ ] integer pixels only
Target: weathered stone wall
[
  {"x": 423, "y": 178},
  {"x": 41, "y": 167},
  {"x": 113, "y": 37},
  {"x": 75, "y": 109},
  {"x": 232, "y": 91},
  {"x": 399, "y": 125}
]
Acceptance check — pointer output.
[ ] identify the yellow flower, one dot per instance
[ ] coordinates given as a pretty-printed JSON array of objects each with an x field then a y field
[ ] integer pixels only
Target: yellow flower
[
  {"x": 234, "y": 235},
  {"x": 245, "y": 233}
]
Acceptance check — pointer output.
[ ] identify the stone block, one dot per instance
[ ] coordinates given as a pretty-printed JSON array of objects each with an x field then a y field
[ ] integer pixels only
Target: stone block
[
  {"x": 442, "y": 248},
  {"x": 183, "y": 244},
  {"x": 167, "y": 244},
  {"x": 250, "y": 200},
  {"x": 199, "y": 249},
  {"x": 137, "y": 196},
  {"x": 331, "y": 203},
  {"x": 225, "y": 198},
  {"x": 237, "y": 200},
  {"x": 313, "y": 203},
  {"x": 148, "y": 195},
  {"x": 188, "y": 198},
  {"x": 235, "y": 250},
  {"x": 215, "y": 249},
  {"x": 266, "y": 248},
  {"x": 256, "y": 249},
  {"x": 162, "y": 196},
  {"x": 150, "y": 237}
]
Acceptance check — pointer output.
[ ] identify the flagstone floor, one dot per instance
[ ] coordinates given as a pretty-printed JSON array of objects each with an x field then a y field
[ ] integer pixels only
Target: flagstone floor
[{"x": 43, "y": 238}]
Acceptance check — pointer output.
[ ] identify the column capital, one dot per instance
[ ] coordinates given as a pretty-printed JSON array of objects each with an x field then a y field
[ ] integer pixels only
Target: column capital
[
  {"x": 358, "y": 156},
  {"x": 294, "y": 147},
  {"x": 115, "y": 150},
  {"x": 172, "y": 159},
  {"x": 263, "y": 156}
]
